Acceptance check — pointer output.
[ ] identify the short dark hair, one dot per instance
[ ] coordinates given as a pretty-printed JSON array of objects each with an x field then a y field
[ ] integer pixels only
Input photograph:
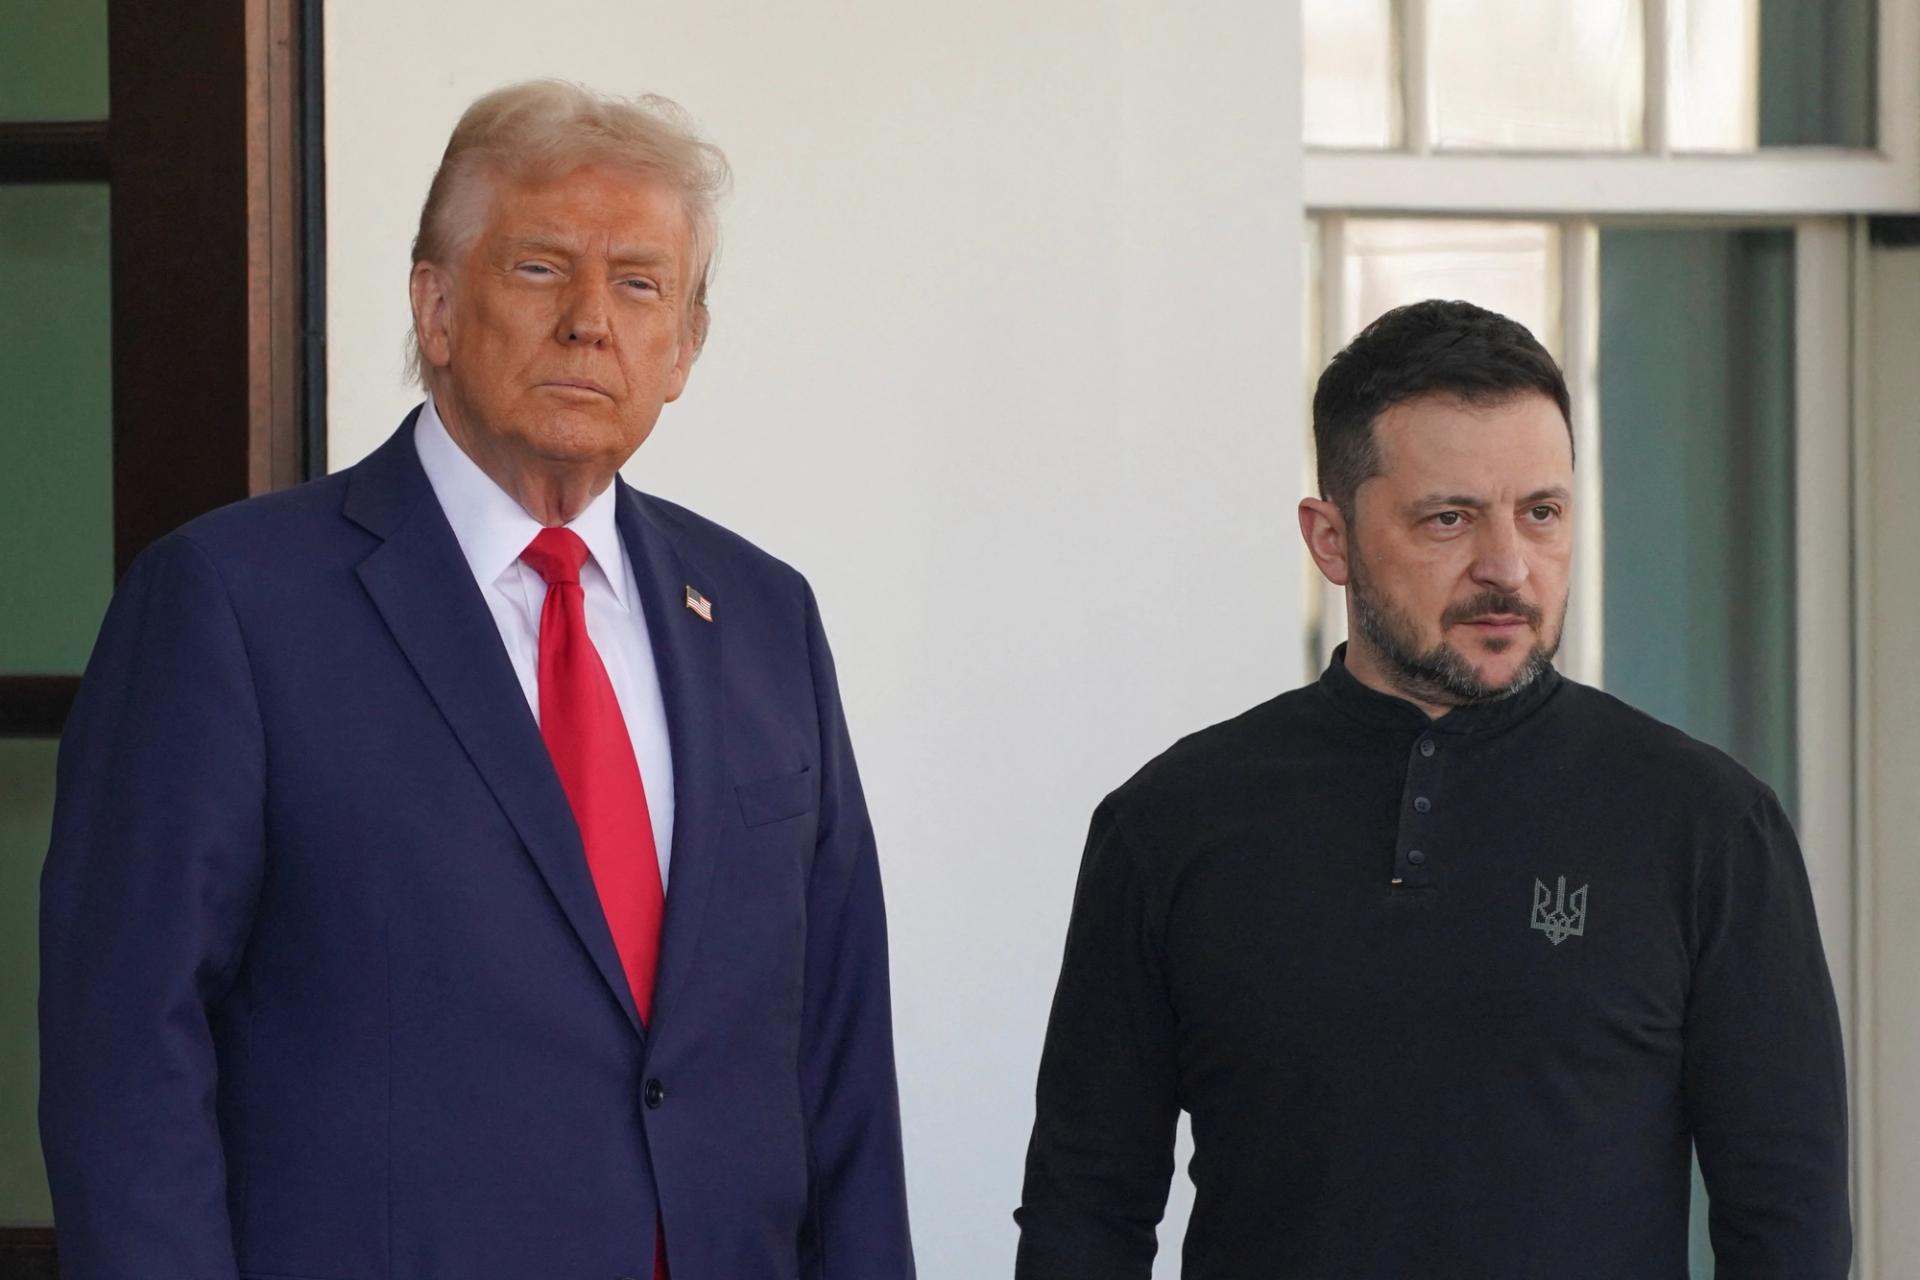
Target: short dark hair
[{"x": 1427, "y": 348}]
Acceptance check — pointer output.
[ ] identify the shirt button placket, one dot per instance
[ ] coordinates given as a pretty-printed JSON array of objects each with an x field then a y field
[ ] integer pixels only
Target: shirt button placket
[{"x": 1412, "y": 859}]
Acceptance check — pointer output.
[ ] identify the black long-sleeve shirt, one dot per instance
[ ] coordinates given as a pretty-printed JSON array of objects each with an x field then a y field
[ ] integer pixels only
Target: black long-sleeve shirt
[{"x": 1447, "y": 1000}]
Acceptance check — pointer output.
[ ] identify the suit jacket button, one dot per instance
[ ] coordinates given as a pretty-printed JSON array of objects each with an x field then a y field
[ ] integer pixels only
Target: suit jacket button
[{"x": 656, "y": 1093}]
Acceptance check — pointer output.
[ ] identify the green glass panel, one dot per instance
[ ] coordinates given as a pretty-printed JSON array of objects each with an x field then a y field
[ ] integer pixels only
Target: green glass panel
[
  {"x": 26, "y": 817},
  {"x": 1772, "y": 73},
  {"x": 56, "y": 439},
  {"x": 1697, "y": 441},
  {"x": 1818, "y": 65},
  {"x": 53, "y": 60},
  {"x": 1696, "y": 421}
]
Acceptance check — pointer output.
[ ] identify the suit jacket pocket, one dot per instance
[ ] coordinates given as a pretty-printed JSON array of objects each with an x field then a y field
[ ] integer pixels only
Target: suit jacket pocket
[{"x": 771, "y": 799}]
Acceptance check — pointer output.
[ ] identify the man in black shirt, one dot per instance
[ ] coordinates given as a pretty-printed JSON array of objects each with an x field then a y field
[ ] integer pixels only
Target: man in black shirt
[{"x": 1449, "y": 958}]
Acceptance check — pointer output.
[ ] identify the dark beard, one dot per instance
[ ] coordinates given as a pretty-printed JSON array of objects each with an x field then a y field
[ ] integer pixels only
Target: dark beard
[{"x": 1442, "y": 676}]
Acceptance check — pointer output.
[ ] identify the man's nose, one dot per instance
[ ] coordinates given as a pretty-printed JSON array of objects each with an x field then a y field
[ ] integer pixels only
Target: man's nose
[
  {"x": 583, "y": 321},
  {"x": 1499, "y": 560}
]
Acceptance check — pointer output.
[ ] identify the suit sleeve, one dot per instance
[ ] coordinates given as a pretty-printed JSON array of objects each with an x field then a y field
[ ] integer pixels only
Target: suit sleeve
[
  {"x": 1101, "y": 1157},
  {"x": 1765, "y": 1082},
  {"x": 858, "y": 1211},
  {"x": 149, "y": 885}
]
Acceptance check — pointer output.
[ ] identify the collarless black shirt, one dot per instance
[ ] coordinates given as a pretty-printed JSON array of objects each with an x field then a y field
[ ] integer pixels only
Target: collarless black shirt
[{"x": 1445, "y": 999}]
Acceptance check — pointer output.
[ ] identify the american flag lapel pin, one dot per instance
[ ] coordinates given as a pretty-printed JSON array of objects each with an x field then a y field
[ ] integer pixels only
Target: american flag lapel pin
[{"x": 700, "y": 605}]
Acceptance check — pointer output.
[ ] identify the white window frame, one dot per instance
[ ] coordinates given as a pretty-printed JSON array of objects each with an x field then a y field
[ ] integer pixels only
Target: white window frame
[
  {"x": 1776, "y": 181},
  {"x": 1823, "y": 193}
]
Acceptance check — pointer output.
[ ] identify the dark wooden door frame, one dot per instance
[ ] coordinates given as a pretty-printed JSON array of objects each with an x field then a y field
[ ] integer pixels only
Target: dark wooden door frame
[
  {"x": 27, "y": 1253},
  {"x": 207, "y": 221},
  {"x": 212, "y": 149},
  {"x": 54, "y": 151}
]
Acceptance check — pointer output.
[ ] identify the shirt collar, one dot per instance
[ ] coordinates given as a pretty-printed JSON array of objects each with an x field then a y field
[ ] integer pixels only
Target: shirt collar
[
  {"x": 1383, "y": 710},
  {"x": 491, "y": 527}
]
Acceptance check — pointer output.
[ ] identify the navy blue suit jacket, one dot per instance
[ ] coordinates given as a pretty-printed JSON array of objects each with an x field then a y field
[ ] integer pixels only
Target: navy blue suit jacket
[{"x": 326, "y": 989}]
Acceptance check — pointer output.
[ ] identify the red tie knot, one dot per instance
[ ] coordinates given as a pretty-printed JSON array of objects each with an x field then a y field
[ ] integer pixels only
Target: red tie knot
[{"x": 556, "y": 555}]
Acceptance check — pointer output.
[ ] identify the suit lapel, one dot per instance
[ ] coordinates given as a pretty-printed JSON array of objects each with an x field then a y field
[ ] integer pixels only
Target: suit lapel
[
  {"x": 686, "y": 651},
  {"x": 424, "y": 589}
]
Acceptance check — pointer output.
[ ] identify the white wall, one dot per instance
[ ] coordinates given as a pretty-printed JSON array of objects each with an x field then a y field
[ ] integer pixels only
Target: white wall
[{"x": 1006, "y": 357}]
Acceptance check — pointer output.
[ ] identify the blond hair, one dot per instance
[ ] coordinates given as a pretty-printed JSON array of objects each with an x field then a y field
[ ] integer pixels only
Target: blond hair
[{"x": 542, "y": 129}]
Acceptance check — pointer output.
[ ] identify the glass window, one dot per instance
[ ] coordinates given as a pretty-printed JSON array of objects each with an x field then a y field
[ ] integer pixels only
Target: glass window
[
  {"x": 56, "y": 480},
  {"x": 1714, "y": 99},
  {"x": 1697, "y": 445},
  {"x": 56, "y": 512},
  {"x": 1509, "y": 267},
  {"x": 53, "y": 60},
  {"x": 1351, "y": 82},
  {"x": 1818, "y": 73},
  {"x": 1778, "y": 74},
  {"x": 1522, "y": 75},
  {"x": 1532, "y": 76},
  {"x": 26, "y": 818}
]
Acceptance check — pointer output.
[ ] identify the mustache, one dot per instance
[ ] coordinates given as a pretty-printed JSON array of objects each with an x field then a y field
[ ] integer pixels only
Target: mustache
[{"x": 1493, "y": 602}]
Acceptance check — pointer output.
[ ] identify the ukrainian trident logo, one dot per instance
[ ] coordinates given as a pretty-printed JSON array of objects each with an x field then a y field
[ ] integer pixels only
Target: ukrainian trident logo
[{"x": 1557, "y": 914}]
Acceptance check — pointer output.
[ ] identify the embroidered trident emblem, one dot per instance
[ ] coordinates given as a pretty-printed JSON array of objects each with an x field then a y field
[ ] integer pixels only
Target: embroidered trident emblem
[{"x": 1558, "y": 916}]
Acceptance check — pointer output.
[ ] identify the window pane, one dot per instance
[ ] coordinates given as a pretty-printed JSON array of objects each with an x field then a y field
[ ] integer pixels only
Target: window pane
[
  {"x": 1696, "y": 420},
  {"x": 1818, "y": 73},
  {"x": 1715, "y": 95},
  {"x": 1697, "y": 443},
  {"x": 1773, "y": 73},
  {"x": 1509, "y": 267},
  {"x": 1352, "y": 83},
  {"x": 26, "y": 818},
  {"x": 56, "y": 445},
  {"x": 1537, "y": 76},
  {"x": 53, "y": 60}
]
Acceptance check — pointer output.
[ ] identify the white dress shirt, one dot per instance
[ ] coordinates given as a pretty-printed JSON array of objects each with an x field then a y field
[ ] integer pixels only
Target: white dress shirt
[{"x": 493, "y": 530}]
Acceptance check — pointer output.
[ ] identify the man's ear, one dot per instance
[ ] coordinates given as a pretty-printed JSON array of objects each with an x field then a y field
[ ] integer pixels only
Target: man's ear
[
  {"x": 430, "y": 289},
  {"x": 1324, "y": 529}
]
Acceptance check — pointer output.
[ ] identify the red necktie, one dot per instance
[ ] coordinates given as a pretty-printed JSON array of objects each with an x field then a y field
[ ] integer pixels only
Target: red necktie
[{"x": 587, "y": 737}]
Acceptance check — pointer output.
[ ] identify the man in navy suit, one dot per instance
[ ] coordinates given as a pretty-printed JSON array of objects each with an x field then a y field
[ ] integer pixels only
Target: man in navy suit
[{"x": 459, "y": 867}]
